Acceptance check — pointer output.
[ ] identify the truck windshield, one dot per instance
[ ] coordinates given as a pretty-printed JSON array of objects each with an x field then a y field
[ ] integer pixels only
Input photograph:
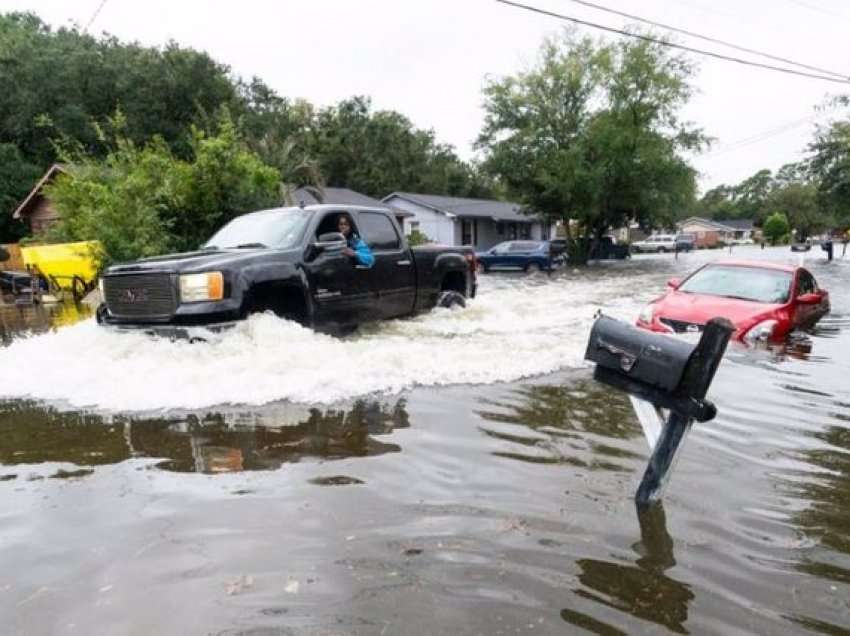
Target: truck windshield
[
  {"x": 281, "y": 229},
  {"x": 745, "y": 283}
]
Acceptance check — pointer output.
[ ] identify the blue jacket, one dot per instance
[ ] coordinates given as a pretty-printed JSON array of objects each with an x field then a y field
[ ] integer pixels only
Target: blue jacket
[{"x": 362, "y": 254}]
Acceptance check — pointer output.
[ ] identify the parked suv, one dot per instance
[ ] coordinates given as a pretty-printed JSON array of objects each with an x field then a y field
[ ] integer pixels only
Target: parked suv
[
  {"x": 657, "y": 243},
  {"x": 685, "y": 242}
]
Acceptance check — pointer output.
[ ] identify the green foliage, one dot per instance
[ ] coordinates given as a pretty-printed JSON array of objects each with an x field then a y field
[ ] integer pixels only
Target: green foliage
[
  {"x": 143, "y": 200},
  {"x": 17, "y": 178},
  {"x": 830, "y": 168},
  {"x": 378, "y": 152},
  {"x": 64, "y": 79},
  {"x": 417, "y": 238},
  {"x": 592, "y": 134},
  {"x": 775, "y": 227},
  {"x": 798, "y": 202},
  {"x": 791, "y": 191},
  {"x": 224, "y": 180}
]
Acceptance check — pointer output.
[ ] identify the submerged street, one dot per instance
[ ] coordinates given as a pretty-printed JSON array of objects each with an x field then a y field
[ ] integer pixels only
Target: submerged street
[{"x": 458, "y": 473}]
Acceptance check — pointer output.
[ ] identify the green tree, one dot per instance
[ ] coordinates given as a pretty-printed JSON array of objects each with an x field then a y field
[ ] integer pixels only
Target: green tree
[
  {"x": 775, "y": 227},
  {"x": 829, "y": 167},
  {"x": 143, "y": 200},
  {"x": 592, "y": 135},
  {"x": 799, "y": 203},
  {"x": 65, "y": 79},
  {"x": 17, "y": 177}
]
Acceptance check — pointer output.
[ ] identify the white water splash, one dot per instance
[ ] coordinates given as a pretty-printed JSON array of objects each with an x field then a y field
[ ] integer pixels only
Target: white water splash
[{"x": 517, "y": 327}]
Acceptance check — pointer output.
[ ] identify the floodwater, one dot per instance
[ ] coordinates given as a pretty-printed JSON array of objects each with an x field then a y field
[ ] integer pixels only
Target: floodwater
[{"x": 457, "y": 473}]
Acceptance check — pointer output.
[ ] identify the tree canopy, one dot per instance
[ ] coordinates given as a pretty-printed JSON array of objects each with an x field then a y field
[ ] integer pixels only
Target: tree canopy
[
  {"x": 592, "y": 135},
  {"x": 142, "y": 200},
  {"x": 65, "y": 80}
]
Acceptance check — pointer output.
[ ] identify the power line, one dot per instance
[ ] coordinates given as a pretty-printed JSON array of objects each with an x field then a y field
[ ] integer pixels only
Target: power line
[
  {"x": 762, "y": 136},
  {"x": 94, "y": 15},
  {"x": 706, "y": 38},
  {"x": 811, "y": 7},
  {"x": 647, "y": 38}
]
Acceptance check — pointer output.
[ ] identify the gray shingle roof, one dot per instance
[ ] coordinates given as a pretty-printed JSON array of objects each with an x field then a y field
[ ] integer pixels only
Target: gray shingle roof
[
  {"x": 736, "y": 224},
  {"x": 471, "y": 208},
  {"x": 342, "y": 196}
]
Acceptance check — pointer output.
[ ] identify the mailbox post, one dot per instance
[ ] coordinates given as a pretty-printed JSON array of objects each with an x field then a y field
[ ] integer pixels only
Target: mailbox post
[{"x": 667, "y": 374}]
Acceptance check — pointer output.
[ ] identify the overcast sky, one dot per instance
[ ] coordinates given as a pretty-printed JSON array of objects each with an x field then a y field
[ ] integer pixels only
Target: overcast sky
[{"x": 430, "y": 59}]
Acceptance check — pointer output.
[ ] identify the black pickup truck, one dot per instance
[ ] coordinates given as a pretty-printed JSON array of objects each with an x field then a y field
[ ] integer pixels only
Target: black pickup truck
[{"x": 289, "y": 261}]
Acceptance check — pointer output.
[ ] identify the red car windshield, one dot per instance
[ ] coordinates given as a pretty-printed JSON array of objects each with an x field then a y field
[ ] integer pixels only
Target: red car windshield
[{"x": 745, "y": 283}]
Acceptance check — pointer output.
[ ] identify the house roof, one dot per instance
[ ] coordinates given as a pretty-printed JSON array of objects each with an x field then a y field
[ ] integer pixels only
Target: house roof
[
  {"x": 736, "y": 224},
  {"x": 468, "y": 208},
  {"x": 35, "y": 194},
  {"x": 342, "y": 196},
  {"x": 725, "y": 225}
]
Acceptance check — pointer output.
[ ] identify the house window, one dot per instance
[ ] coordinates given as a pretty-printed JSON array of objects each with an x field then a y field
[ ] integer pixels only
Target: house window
[
  {"x": 500, "y": 228},
  {"x": 469, "y": 232},
  {"x": 512, "y": 231},
  {"x": 414, "y": 226},
  {"x": 525, "y": 231}
]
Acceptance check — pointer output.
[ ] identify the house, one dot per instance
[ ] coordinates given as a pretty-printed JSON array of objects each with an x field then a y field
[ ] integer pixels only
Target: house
[
  {"x": 309, "y": 195},
  {"x": 37, "y": 210},
  {"x": 710, "y": 233},
  {"x": 480, "y": 223}
]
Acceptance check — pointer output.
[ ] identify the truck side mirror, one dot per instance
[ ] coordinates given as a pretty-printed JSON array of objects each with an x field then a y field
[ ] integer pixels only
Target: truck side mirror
[{"x": 330, "y": 241}]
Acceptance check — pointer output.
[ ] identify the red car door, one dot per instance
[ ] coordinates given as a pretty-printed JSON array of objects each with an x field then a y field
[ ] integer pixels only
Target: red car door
[{"x": 806, "y": 314}]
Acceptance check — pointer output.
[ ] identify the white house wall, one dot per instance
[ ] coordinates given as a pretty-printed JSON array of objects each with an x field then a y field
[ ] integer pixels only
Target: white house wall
[
  {"x": 441, "y": 228},
  {"x": 435, "y": 225}
]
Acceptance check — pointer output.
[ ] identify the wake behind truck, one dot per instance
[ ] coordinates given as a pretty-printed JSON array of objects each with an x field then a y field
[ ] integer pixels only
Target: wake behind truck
[{"x": 289, "y": 261}]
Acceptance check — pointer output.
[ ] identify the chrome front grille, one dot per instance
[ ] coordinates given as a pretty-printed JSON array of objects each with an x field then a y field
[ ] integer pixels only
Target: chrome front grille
[{"x": 146, "y": 296}]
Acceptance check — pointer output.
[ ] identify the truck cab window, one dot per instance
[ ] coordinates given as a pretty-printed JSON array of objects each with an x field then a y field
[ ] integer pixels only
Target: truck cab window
[{"x": 378, "y": 231}]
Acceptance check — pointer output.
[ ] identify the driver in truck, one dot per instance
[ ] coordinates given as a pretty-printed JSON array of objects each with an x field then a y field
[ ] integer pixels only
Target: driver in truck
[{"x": 356, "y": 247}]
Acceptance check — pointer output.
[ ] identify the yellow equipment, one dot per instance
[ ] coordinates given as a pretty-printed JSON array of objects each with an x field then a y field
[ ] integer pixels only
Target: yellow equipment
[{"x": 62, "y": 263}]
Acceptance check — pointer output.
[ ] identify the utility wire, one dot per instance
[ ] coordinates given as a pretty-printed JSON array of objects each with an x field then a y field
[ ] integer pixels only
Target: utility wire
[
  {"x": 762, "y": 136},
  {"x": 94, "y": 15},
  {"x": 647, "y": 38},
  {"x": 811, "y": 7},
  {"x": 707, "y": 38}
]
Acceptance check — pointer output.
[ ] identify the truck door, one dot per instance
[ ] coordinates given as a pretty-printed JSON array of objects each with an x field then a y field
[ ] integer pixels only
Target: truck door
[
  {"x": 392, "y": 279},
  {"x": 341, "y": 294}
]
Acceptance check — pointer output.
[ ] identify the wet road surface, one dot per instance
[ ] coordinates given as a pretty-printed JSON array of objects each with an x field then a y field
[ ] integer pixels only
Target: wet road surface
[{"x": 459, "y": 473}]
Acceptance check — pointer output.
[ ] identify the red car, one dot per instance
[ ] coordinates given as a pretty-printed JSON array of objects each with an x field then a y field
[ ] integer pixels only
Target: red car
[{"x": 765, "y": 301}]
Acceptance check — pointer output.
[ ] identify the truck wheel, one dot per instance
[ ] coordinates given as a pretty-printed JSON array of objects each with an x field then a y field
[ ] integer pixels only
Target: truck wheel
[{"x": 451, "y": 299}]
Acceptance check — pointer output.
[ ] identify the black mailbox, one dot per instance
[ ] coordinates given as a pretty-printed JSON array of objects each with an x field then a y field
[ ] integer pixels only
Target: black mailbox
[
  {"x": 649, "y": 358},
  {"x": 666, "y": 372}
]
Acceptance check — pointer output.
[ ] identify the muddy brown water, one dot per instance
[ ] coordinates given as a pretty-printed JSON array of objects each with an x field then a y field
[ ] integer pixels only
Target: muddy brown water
[{"x": 498, "y": 508}]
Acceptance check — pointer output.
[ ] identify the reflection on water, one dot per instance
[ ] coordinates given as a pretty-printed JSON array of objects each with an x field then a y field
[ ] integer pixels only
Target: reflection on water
[
  {"x": 574, "y": 424},
  {"x": 211, "y": 443},
  {"x": 643, "y": 590},
  {"x": 17, "y": 319}
]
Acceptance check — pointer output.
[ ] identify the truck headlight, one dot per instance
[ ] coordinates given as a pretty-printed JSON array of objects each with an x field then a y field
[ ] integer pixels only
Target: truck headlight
[
  {"x": 199, "y": 287},
  {"x": 100, "y": 289},
  {"x": 761, "y": 332},
  {"x": 645, "y": 314}
]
